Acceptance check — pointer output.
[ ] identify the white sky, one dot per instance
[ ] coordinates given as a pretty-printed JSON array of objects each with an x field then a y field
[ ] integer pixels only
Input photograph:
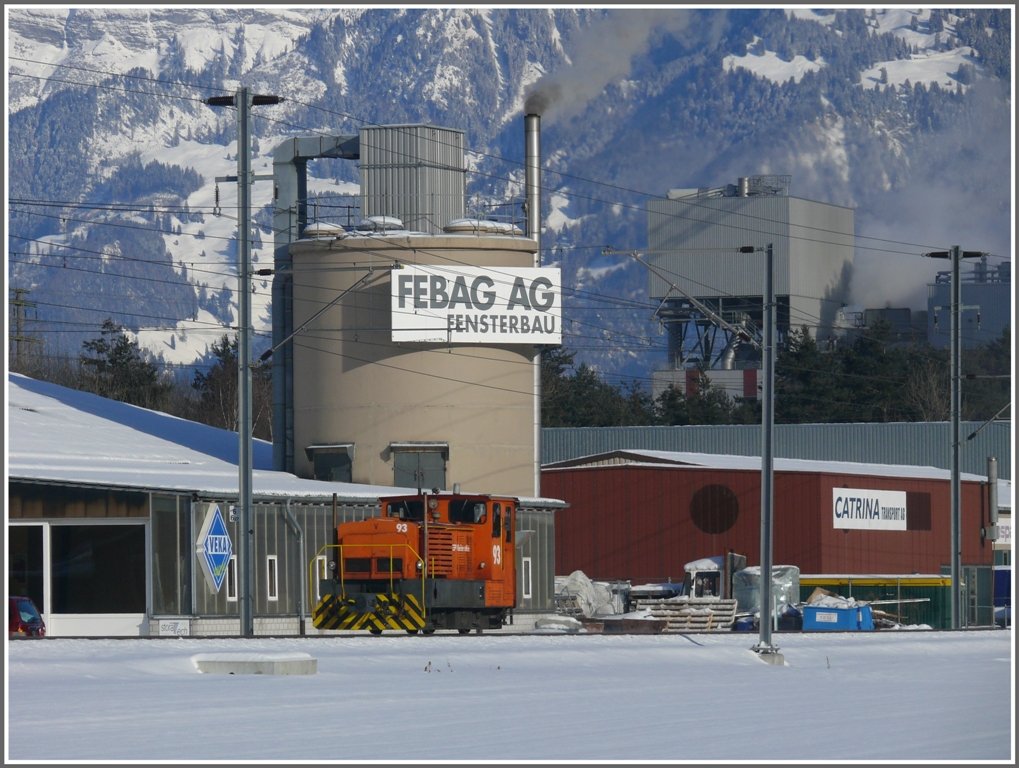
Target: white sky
[{"x": 864, "y": 696}]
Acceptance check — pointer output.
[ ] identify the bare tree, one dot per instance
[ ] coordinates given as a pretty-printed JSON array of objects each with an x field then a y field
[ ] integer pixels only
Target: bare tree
[{"x": 927, "y": 389}]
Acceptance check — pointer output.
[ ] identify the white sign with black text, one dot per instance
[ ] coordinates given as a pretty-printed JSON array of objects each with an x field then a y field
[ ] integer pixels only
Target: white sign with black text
[
  {"x": 477, "y": 305},
  {"x": 869, "y": 510}
]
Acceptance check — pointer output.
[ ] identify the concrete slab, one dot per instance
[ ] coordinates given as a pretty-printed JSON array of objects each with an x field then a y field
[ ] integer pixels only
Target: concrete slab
[
  {"x": 770, "y": 657},
  {"x": 255, "y": 663}
]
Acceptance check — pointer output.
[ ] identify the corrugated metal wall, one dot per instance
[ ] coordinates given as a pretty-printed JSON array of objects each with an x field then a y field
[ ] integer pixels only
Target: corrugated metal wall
[
  {"x": 717, "y": 228},
  {"x": 273, "y": 536},
  {"x": 414, "y": 172},
  {"x": 644, "y": 523},
  {"x": 912, "y": 444},
  {"x": 536, "y": 540}
]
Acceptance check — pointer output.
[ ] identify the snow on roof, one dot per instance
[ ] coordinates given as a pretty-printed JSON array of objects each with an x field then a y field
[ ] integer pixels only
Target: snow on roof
[
  {"x": 681, "y": 459},
  {"x": 62, "y": 435}
]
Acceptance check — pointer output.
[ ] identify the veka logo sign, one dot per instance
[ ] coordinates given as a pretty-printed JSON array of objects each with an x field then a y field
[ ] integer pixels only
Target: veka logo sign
[
  {"x": 214, "y": 548},
  {"x": 477, "y": 305}
]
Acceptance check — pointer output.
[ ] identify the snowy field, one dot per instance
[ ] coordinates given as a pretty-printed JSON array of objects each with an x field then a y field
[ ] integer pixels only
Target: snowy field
[{"x": 866, "y": 696}]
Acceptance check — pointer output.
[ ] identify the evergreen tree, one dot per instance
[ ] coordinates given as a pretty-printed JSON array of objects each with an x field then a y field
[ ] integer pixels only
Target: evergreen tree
[
  {"x": 217, "y": 389},
  {"x": 701, "y": 404},
  {"x": 808, "y": 384},
  {"x": 114, "y": 366},
  {"x": 218, "y": 403}
]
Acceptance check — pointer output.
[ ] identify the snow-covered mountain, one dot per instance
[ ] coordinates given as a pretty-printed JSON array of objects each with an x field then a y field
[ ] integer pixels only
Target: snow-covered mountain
[{"x": 114, "y": 211}]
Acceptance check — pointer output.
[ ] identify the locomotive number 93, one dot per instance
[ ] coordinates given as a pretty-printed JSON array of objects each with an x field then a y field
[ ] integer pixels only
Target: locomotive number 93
[{"x": 429, "y": 561}]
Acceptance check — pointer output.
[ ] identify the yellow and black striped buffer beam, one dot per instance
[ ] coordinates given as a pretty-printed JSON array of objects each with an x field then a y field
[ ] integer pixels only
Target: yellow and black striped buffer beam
[{"x": 390, "y": 611}]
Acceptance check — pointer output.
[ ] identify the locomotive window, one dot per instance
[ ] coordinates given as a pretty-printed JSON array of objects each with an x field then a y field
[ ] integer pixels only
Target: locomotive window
[
  {"x": 407, "y": 510},
  {"x": 509, "y": 523},
  {"x": 496, "y": 520},
  {"x": 466, "y": 511}
]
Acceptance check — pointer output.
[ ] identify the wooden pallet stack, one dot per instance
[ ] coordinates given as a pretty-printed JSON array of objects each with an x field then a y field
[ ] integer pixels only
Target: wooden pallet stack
[{"x": 692, "y": 614}]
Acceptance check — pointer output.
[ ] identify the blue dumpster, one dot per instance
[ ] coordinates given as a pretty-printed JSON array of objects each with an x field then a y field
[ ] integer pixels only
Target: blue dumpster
[{"x": 827, "y": 617}]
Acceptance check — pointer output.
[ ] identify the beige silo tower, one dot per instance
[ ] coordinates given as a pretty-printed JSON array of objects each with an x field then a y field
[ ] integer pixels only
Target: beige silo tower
[{"x": 414, "y": 350}]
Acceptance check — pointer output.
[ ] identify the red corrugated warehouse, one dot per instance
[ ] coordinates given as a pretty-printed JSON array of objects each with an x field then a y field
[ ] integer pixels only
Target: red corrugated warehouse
[{"x": 642, "y": 515}]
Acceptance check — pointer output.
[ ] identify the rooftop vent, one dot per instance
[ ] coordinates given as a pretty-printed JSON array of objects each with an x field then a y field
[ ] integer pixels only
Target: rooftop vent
[
  {"x": 483, "y": 226},
  {"x": 321, "y": 229},
  {"x": 379, "y": 224}
]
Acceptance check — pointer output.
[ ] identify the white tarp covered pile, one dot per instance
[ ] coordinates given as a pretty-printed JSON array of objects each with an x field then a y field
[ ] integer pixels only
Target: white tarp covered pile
[{"x": 594, "y": 598}]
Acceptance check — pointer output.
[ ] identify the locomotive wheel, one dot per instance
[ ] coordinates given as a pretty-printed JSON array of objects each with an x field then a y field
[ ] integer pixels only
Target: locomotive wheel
[
  {"x": 464, "y": 630},
  {"x": 428, "y": 630},
  {"x": 375, "y": 630}
]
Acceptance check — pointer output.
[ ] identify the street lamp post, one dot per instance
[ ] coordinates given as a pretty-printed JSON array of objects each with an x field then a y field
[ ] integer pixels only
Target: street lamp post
[
  {"x": 765, "y": 649},
  {"x": 955, "y": 254},
  {"x": 244, "y": 100}
]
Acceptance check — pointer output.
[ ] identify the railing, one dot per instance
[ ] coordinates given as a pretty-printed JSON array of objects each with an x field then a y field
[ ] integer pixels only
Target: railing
[{"x": 313, "y": 581}]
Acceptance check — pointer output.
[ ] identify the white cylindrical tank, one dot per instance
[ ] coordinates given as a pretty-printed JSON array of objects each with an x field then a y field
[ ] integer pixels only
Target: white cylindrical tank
[{"x": 357, "y": 391}]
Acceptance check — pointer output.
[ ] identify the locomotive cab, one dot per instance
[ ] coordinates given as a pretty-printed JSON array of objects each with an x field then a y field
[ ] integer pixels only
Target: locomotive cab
[{"x": 430, "y": 561}]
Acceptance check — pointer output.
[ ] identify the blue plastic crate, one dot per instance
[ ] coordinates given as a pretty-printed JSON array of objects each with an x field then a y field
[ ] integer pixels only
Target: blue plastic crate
[{"x": 825, "y": 617}]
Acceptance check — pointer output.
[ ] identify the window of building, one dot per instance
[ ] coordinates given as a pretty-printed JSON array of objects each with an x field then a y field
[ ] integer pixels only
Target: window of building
[
  {"x": 321, "y": 573},
  {"x": 271, "y": 578},
  {"x": 918, "y": 511},
  {"x": 525, "y": 577},
  {"x": 171, "y": 575},
  {"x": 98, "y": 568},
  {"x": 419, "y": 465},
  {"x": 332, "y": 461},
  {"x": 231, "y": 580},
  {"x": 25, "y": 563}
]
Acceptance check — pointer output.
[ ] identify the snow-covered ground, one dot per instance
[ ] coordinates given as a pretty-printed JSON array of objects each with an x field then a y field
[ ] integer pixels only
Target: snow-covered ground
[{"x": 864, "y": 696}]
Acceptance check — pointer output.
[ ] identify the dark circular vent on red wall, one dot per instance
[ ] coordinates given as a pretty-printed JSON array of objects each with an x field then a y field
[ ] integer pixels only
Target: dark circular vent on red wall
[{"x": 714, "y": 508}]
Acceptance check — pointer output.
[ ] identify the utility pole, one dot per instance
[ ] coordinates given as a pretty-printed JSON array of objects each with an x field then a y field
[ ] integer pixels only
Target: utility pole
[
  {"x": 20, "y": 341},
  {"x": 243, "y": 100},
  {"x": 764, "y": 648},
  {"x": 956, "y": 255}
]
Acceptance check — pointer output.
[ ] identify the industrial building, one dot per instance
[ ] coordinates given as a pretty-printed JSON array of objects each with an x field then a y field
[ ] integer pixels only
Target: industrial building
[
  {"x": 641, "y": 515},
  {"x": 917, "y": 444},
  {"x": 985, "y": 294},
  {"x": 707, "y": 270},
  {"x": 106, "y": 506}
]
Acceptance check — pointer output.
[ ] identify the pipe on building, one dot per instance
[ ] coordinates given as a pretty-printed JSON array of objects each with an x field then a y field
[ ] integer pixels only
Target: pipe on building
[
  {"x": 290, "y": 182},
  {"x": 303, "y": 588},
  {"x": 992, "y": 495}
]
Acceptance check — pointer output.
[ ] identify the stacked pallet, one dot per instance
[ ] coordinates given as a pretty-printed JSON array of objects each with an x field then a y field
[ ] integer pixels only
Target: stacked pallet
[{"x": 692, "y": 614}]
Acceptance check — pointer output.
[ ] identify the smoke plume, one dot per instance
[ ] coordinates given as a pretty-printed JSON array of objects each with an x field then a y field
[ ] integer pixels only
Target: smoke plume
[{"x": 602, "y": 55}]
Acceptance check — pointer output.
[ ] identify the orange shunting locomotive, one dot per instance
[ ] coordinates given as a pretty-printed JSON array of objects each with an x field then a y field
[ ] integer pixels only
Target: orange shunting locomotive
[{"x": 430, "y": 561}]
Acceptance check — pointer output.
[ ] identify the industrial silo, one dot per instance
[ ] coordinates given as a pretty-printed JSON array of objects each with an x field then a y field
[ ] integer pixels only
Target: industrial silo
[{"x": 414, "y": 347}]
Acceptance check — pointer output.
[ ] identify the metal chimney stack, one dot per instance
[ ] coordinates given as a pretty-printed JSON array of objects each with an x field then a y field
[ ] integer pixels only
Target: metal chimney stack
[
  {"x": 532, "y": 144},
  {"x": 532, "y": 178}
]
